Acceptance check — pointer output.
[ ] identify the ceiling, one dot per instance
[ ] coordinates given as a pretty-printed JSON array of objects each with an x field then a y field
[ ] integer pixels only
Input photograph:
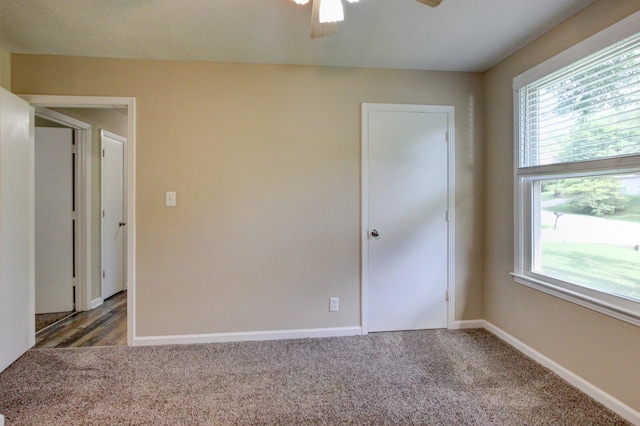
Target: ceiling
[{"x": 459, "y": 35}]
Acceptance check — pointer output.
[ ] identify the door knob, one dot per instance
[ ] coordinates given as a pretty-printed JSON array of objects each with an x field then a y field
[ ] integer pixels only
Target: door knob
[
  {"x": 375, "y": 233},
  {"x": 122, "y": 224}
]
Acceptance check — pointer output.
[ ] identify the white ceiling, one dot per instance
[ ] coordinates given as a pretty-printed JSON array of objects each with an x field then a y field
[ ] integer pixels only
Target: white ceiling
[{"x": 459, "y": 35}]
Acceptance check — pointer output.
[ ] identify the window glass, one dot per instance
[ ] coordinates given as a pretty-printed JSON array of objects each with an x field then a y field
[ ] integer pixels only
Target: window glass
[{"x": 588, "y": 232}]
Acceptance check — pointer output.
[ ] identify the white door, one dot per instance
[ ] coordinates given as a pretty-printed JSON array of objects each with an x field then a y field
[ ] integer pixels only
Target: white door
[
  {"x": 54, "y": 220},
  {"x": 113, "y": 214},
  {"x": 407, "y": 216},
  {"x": 17, "y": 316}
]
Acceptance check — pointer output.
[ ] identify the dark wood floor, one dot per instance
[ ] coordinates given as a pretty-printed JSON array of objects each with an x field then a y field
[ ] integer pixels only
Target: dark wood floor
[{"x": 105, "y": 325}]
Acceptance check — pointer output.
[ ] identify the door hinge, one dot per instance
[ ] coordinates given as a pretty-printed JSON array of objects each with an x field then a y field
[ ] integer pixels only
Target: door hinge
[
  {"x": 446, "y": 215},
  {"x": 74, "y": 215},
  {"x": 103, "y": 213},
  {"x": 447, "y": 295},
  {"x": 446, "y": 137},
  {"x": 74, "y": 149},
  {"x": 104, "y": 274},
  {"x": 103, "y": 152}
]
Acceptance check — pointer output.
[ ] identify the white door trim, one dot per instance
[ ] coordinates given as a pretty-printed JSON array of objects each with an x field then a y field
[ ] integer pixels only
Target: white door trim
[
  {"x": 364, "y": 200},
  {"x": 52, "y": 101},
  {"x": 83, "y": 198}
]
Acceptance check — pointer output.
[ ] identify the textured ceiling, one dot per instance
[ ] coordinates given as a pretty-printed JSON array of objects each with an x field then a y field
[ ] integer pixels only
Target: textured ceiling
[{"x": 459, "y": 35}]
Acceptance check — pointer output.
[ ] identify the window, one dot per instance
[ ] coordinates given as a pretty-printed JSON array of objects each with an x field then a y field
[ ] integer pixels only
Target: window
[{"x": 577, "y": 173}]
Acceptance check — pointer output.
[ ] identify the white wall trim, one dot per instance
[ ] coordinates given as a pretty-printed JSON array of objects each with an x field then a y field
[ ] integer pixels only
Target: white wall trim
[
  {"x": 467, "y": 324},
  {"x": 247, "y": 336},
  {"x": 364, "y": 203},
  {"x": 594, "y": 392},
  {"x": 112, "y": 102},
  {"x": 96, "y": 302}
]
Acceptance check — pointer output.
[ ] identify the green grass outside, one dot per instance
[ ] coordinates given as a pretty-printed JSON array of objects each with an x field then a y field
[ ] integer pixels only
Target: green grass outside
[{"x": 612, "y": 269}]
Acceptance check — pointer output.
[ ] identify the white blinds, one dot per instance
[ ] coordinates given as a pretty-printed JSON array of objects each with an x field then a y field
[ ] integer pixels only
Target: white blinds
[{"x": 586, "y": 111}]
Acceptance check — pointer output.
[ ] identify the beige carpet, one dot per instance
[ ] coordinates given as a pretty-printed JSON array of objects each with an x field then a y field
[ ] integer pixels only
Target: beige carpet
[{"x": 435, "y": 377}]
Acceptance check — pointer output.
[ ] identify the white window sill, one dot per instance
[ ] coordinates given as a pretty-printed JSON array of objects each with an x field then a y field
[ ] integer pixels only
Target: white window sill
[{"x": 617, "y": 307}]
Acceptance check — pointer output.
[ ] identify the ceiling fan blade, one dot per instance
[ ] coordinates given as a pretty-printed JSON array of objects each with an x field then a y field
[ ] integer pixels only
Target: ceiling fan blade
[
  {"x": 432, "y": 3},
  {"x": 319, "y": 29}
]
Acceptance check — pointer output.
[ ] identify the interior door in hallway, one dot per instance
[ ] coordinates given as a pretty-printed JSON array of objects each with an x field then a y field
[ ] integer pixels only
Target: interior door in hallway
[
  {"x": 407, "y": 218},
  {"x": 54, "y": 260},
  {"x": 113, "y": 214}
]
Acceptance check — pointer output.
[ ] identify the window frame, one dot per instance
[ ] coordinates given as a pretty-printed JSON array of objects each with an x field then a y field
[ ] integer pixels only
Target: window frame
[{"x": 525, "y": 201}]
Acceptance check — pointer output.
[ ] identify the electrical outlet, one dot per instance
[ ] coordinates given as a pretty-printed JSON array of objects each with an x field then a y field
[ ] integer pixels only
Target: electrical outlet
[{"x": 334, "y": 304}]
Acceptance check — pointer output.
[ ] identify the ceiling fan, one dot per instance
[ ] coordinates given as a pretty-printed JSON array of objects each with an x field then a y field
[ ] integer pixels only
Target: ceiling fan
[{"x": 326, "y": 14}]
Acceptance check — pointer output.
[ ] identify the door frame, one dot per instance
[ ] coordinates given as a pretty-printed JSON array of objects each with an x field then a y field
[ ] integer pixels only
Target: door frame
[
  {"x": 57, "y": 101},
  {"x": 82, "y": 170},
  {"x": 366, "y": 108}
]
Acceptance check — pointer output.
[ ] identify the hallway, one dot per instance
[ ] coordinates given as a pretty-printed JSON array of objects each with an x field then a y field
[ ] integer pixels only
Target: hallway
[{"x": 105, "y": 325}]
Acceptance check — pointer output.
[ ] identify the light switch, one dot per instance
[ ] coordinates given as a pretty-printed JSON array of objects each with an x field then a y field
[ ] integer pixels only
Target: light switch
[{"x": 170, "y": 199}]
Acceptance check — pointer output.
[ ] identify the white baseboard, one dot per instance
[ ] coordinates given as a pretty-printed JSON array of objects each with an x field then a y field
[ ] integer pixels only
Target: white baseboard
[
  {"x": 96, "y": 302},
  {"x": 1, "y": 420},
  {"x": 246, "y": 336},
  {"x": 467, "y": 324},
  {"x": 594, "y": 392}
]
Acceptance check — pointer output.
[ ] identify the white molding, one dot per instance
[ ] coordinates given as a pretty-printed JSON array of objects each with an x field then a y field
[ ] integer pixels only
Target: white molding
[
  {"x": 112, "y": 102},
  {"x": 246, "y": 336},
  {"x": 83, "y": 195},
  {"x": 364, "y": 202},
  {"x": 364, "y": 219},
  {"x": 573, "y": 379},
  {"x": 467, "y": 324},
  {"x": 96, "y": 302},
  {"x": 451, "y": 212}
]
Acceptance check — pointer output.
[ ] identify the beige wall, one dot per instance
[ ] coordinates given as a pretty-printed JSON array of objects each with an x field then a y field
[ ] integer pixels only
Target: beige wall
[
  {"x": 600, "y": 349},
  {"x": 5, "y": 70},
  {"x": 265, "y": 161}
]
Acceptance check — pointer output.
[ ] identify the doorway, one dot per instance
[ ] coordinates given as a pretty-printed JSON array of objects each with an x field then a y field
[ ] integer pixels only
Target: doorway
[
  {"x": 98, "y": 321},
  {"x": 407, "y": 216},
  {"x": 93, "y": 297}
]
